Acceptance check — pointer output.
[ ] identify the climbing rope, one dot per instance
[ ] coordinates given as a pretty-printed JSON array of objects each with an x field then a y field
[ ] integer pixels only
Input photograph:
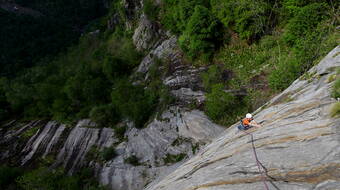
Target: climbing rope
[{"x": 259, "y": 166}]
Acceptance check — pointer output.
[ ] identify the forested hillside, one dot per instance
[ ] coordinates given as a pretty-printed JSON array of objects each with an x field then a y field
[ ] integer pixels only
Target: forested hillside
[
  {"x": 78, "y": 59},
  {"x": 259, "y": 46}
]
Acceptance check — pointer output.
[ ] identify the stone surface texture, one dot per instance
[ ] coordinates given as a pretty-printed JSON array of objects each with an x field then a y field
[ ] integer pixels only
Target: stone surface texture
[
  {"x": 147, "y": 35},
  {"x": 177, "y": 131},
  {"x": 298, "y": 144}
]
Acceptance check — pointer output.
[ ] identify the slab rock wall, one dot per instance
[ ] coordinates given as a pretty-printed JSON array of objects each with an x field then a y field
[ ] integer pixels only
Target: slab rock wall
[{"x": 298, "y": 144}]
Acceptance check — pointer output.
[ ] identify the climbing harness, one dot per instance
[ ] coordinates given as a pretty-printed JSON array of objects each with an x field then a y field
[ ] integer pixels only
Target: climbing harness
[{"x": 259, "y": 165}]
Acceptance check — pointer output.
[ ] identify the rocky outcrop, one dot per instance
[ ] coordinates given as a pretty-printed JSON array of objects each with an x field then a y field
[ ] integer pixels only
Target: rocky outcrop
[
  {"x": 188, "y": 96},
  {"x": 167, "y": 141},
  {"x": 176, "y": 132},
  {"x": 185, "y": 83},
  {"x": 131, "y": 11},
  {"x": 113, "y": 21},
  {"x": 167, "y": 52},
  {"x": 183, "y": 80},
  {"x": 298, "y": 144},
  {"x": 147, "y": 35}
]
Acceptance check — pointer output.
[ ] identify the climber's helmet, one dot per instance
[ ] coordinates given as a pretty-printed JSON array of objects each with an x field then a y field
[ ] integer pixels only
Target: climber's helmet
[{"x": 249, "y": 116}]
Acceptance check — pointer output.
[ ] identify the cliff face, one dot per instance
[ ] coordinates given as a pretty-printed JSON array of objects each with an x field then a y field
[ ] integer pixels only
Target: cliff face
[
  {"x": 176, "y": 132},
  {"x": 167, "y": 141},
  {"x": 298, "y": 144}
]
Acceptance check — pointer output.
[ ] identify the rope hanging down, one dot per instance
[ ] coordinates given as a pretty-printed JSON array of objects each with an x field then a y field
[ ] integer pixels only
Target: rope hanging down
[{"x": 259, "y": 166}]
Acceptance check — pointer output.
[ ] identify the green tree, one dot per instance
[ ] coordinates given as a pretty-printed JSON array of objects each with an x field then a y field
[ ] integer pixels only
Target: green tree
[
  {"x": 248, "y": 18},
  {"x": 211, "y": 77},
  {"x": 305, "y": 21},
  {"x": 284, "y": 74},
  {"x": 200, "y": 35},
  {"x": 219, "y": 103},
  {"x": 114, "y": 67},
  {"x": 176, "y": 13},
  {"x": 150, "y": 9},
  {"x": 133, "y": 102},
  {"x": 104, "y": 115}
]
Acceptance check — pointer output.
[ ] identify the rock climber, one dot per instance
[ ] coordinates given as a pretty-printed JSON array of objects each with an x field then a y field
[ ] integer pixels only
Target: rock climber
[{"x": 248, "y": 122}]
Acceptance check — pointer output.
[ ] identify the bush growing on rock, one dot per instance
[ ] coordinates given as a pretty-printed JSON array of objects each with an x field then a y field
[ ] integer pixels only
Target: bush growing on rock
[
  {"x": 219, "y": 103},
  {"x": 335, "y": 109},
  {"x": 133, "y": 160},
  {"x": 336, "y": 89},
  {"x": 120, "y": 132},
  {"x": 108, "y": 153},
  {"x": 211, "y": 77},
  {"x": 104, "y": 115},
  {"x": 173, "y": 158},
  {"x": 224, "y": 107},
  {"x": 284, "y": 74},
  {"x": 133, "y": 102}
]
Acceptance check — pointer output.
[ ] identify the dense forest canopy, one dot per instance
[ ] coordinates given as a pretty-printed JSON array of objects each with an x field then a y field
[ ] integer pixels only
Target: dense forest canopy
[
  {"x": 46, "y": 74},
  {"x": 25, "y": 38}
]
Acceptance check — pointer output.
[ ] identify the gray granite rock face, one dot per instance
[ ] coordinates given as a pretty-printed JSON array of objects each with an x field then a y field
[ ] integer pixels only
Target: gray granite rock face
[
  {"x": 81, "y": 139},
  {"x": 298, "y": 144},
  {"x": 11, "y": 134},
  {"x": 168, "y": 51},
  {"x": 184, "y": 81},
  {"x": 176, "y": 132},
  {"x": 185, "y": 76},
  {"x": 147, "y": 35},
  {"x": 185, "y": 84}
]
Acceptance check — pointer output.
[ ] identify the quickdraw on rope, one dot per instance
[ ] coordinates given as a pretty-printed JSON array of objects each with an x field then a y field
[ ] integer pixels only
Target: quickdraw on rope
[{"x": 259, "y": 166}]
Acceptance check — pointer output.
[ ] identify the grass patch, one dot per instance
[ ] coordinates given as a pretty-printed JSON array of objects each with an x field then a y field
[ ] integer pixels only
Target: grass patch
[
  {"x": 93, "y": 154},
  {"x": 336, "y": 89},
  {"x": 119, "y": 132},
  {"x": 133, "y": 160},
  {"x": 309, "y": 76},
  {"x": 108, "y": 153},
  {"x": 173, "y": 158},
  {"x": 195, "y": 148},
  {"x": 30, "y": 132},
  {"x": 335, "y": 110},
  {"x": 331, "y": 78},
  {"x": 179, "y": 141}
]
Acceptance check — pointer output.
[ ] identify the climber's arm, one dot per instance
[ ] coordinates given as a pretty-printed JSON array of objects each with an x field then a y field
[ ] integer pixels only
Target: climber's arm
[{"x": 254, "y": 124}]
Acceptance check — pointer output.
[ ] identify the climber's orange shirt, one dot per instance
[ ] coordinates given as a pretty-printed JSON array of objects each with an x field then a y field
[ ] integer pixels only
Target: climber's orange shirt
[{"x": 246, "y": 121}]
